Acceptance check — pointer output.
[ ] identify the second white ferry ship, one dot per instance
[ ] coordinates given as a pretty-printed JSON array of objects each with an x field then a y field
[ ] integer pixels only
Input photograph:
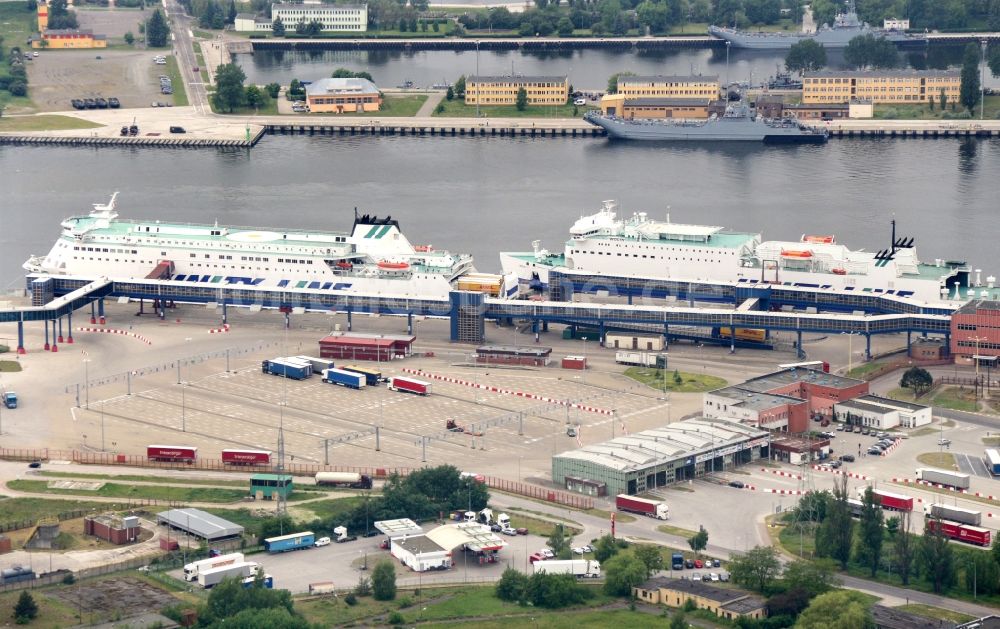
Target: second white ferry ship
[
  {"x": 375, "y": 258},
  {"x": 601, "y": 244}
]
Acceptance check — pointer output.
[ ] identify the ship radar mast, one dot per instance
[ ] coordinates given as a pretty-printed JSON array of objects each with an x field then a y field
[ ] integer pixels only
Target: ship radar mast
[{"x": 106, "y": 211}]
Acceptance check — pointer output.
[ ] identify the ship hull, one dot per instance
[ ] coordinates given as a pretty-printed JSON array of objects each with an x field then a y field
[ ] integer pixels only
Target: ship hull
[{"x": 740, "y": 130}]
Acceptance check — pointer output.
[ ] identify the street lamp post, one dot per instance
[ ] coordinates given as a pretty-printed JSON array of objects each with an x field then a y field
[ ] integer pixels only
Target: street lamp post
[
  {"x": 728, "y": 44},
  {"x": 478, "y": 91},
  {"x": 86, "y": 382},
  {"x": 982, "y": 80}
]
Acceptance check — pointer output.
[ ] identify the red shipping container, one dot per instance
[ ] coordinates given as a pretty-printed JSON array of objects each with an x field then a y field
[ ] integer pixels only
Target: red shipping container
[
  {"x": 961, "y": 532},
  {"x": 173, "y": 454},
  {"x": 574, "y": 362},
  {"x": 246, "y": 457}
]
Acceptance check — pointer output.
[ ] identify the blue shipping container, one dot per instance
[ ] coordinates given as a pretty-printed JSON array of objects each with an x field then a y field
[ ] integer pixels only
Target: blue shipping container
[
  {"x": 295, "y": 541},
  {"x": 279, "y": 367},
  {"x": 344, "y": 378}
]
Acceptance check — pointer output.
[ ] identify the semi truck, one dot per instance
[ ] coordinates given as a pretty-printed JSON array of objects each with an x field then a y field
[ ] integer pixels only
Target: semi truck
[
  {"x": 16, "y": 574},
  {"x": 959, "y": 531},
  {"x": 579, "y": 568},
  {"x": 293, "y": 541},
  {"x": 643, "y": 506},
  {"x": 955, "y": 514},
  {"x": 992, "y": 460},
  {"x": 193, "y": 569},
  {"x": 642, "y": 359},
  {"x": 10, "y": 399},
  {"x": 246, "y": 457},
  {"x": 318, "y": 364},
  {"x": 342, "y": 536},
  {"x": 172, "y": 454},
  {"x": 677, "y": 561},
  {"x": 944, "y": 477},
  {"x": 372, "y": 377},
  {"x": 296, "y": 370},
  {"x": 353, "y": 480},
  {"x": 856, "y": 507},
  {"x": 409, "y": 385},
  {"x": 344, "y": 378},
  {"x": 210, "y": 578},
  {"x": 888, "y": 500}
]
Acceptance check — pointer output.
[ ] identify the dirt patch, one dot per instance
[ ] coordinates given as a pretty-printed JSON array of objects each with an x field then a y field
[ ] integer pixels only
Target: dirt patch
[
  {"x": 58, "y": 76},
  {"x": 117, "y": 597},
  {"x": 113, "y": 23}
]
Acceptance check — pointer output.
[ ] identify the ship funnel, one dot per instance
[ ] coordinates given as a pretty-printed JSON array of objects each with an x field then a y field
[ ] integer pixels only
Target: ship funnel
[
  {"x": 984, "y": 294},
  {"x": 642, "y": 217},
  {"x": 938, "y": 262},
  {"x": 944, "y": 292},
  {"x": 535, "y": 244},
  {"x": 991, "y": 281},
  {"x": 979, "y": 277}
]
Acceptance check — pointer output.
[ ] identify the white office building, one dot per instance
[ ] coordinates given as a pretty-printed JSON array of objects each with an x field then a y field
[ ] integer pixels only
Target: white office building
[
  {"x": 882, "y": 413},
  {"x": 333, "y": 17}
]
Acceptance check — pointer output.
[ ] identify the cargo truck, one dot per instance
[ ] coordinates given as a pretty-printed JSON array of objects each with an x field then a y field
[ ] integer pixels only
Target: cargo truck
[
  {"x": 344, "y": 479},
  {"x": 677, "y": 561},
  {"x": 643, "y": 506},
  {"x": 959, "y": 531},
  {"x": 955, "y": 514},
  {"x": 409, "y": 385},
  {"x": 246, "y": 457},
  {"x": 944, "y": 477},
  {"x": 295, "y": 370},
  {"x": 318, "y": 364},
  {"x": 642, "y": 359},
  {"x": 210, "y": 578},
  {"x": 372, "y": 377},
  {"x": 579, "y": 568},
  {"x": 888, "y": 500},
  {"x": 344, "y": 378},
  {"x": 172, "y": 454},
  {"x": 293, "y": 541},
  {"x": 992, "y": 460},
  {"x": 193, "y": 569},
  {"x": 267, "y": 582},
  {"x": 10, "y": 399}
]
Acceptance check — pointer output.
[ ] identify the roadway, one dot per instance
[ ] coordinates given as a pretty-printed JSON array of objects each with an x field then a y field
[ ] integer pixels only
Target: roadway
[{"x": 180, "y": 26}]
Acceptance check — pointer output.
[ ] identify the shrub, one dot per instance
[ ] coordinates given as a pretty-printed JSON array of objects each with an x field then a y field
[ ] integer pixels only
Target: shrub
[
  {"x": 395, "y": 618},
  {"x": 351, "y": 599},
  {"x": 18, "y": 88}
]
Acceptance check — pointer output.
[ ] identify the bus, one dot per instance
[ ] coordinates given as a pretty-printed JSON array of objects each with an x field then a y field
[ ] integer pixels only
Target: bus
[
  {"x": 992, "y": 461},
  {"x": 818, "y": 365}
]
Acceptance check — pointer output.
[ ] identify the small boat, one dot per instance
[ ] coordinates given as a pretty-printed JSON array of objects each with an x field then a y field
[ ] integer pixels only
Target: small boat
[
  {"x": 793, "y": 253},
  {"x": 423, "y": 248},
  {"x": 393, "y": 266},
  {"x": 839, "y": 271},
  {"x": 820, "y": 240},
  {"x": 406, "y": 85}
]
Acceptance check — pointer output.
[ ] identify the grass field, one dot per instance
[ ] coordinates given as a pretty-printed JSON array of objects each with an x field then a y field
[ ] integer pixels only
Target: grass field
[
  {"x": 16, "y": 25},
  {"x": 924, "y": 112},
  {"x": 145, "y": 479},
  {"x": 690, "y": 382},
  {"x": 543, "y": 528},
  {"x": 334, "y": 508},
  {"x": 177, "y": 82},
  {"x": 936, "y": 612},
  {"x": 9, "y": 366},
  {"x": 943, "y": 460},
  {"x": 18, "y": 509},
  {"x": 956, "y": 399},
  {"x": 676, "y": 530},
  {"x": 46, "y": 122},
  {"x": 137, "y": 492},
  {"x": 270, "y": 108},
  {"x": 863, "y": 369},
  {"x": 52, "y": 613},
  {"x": 623, "y": 518},
  {"x": 991, "y": 441},
  {"x": 458, "y": 109}
]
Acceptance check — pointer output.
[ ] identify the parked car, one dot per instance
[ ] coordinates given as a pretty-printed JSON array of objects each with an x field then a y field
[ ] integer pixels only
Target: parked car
[
  {"x": 716, "y": 563},
  {"x": 696, "y": 576},
  {"x": 496, "y": 528},
  {"x": 177, "y": 130},
  {"x": 523, "y": 531},
  {"x": 580, "y": 102},
  {"x": 724, "y": 576},
  {"x": 840, "y": 428},
  {"x": 698, "y": 563},
  {"x": 35, "y": 465},
  {"x": 689, "y": 564},
  {"x": 737, "y": 484},
  {"x": 944, "y": 442},
  {"x": 548, "y": 554},
  {"x": 847, "y": 458},
  {"x": 712, "y": 576},
  {"x": 578, "y": 550},
  {"x": 323, "y": 541},
  {"x": 114, "y": 103}
]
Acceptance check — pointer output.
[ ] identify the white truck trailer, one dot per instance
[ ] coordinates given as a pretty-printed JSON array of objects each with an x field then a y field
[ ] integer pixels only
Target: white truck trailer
[
  {"x": 944, "y": 477},
  {"x": 210, "y": 578},
  {"x": 580, "y": 568},
  {"x": 193, "y": 569}
]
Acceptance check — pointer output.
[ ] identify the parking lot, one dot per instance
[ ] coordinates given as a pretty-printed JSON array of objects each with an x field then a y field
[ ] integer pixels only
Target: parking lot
[{"x": 58, "y": 76}]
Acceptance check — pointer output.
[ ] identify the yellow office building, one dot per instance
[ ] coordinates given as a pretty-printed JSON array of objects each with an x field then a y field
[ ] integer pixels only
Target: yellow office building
[
  {"x": 502, "y": 90},
  {"x": 881, "y": 86},
  {"x": 697, "y": 86}
]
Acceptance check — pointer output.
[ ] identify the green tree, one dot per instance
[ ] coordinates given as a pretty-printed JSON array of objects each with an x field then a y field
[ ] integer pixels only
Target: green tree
[
  {"x": 868, "y": 51},
  {"x": 678, "y": 621},
  {"x": 699, "y": 540},
  {"x": 650, "y": 556},
  {"x": 613, "y": 81},
  {"x": 25, "y": 610},
  {"x": 275, "y": 618},
  {"x": 623, "y": 572},
  {"x": 605, "y": 548},
  {"x": 209, "y": 15},
  {"x": 836, "y": 532},
  {"x": 872, "y": 533},
  {"x": 554, "y": 590},
  {"x": 756, "y": 568},
  {"x": 806, "y": 56},
  {"x": 511, "y": 586},
  {"x": 450, "y": 94},
  {"x": 840, "y": 609},
  {"x": 564, "y": 26},
  {"x": 460, "y": 87},
  {"x": 969, "y": 92},
  {"x": 254, "y": 97},
  {"x": 917, "y": 378},
  {"x": 274, "y": 526},
  {"x": 231, "y": 15},
  {"x": 313, "y": 28},
  {"x": 558, "y": 541},
  {"x": 982, "y": 574},
  {"x": 812, "y": 507},
  {"x": 129, "y": 38},
  {"x": 342, "y": 73},
  {"x": 789, "y": 603},
  {"x": 993, "y": 58},
  {"x": 522, "y": 99},
  {"x": 384, "y": 581},
  {"x": 814, "y": 577},
  {"x": 229, "y": 92},
  {"x": 60, "y": 16},
  {"x": 903, "y": 550},
  {"x": 273, "y": 89},
  {"x": 18, "y": 87},
  {"x": 229, "y": 598},
  {"x": 278, "y": 27},
  {"x": 158, "y": 31},
  {"x": 936, "y": 558},
  {"x": 943, "y": 99}
]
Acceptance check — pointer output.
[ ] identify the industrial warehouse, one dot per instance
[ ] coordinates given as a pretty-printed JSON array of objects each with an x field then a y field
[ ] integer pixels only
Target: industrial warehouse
[{"x": 637, "y": 463}]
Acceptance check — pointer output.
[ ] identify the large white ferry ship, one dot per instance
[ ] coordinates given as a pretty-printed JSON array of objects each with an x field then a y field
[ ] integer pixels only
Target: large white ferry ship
[
  {"x": 375, "y": 258},
  {"x": 639, "y": 247}
]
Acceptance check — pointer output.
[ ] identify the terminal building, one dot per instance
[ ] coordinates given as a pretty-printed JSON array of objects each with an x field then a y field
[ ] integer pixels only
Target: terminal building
[
  {"x": 333, "y": 17},
  {"x": 880, "y": 86},
  {"x": 872, "y": 411},
  {"x": 361, "y": 346},
  {"x": 975, "y": 332},
  {"x": 502, "y": 90},
  {"x": 339, "y": 96},
  {"x": 634, "y": 464}
]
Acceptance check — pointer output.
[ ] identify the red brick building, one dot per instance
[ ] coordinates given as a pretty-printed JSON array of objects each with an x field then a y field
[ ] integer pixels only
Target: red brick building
[
  {"x": 511, "y": 355},
  {"x": 975, "y": 331},
  {"x": 113, "y": 528},
  {"x": 359, "y": 346}
]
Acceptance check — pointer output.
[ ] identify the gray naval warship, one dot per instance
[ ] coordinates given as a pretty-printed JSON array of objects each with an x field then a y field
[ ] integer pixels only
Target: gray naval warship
[
  {"x": 738, "y": 123},
  {"x": 846, "y": 26}
]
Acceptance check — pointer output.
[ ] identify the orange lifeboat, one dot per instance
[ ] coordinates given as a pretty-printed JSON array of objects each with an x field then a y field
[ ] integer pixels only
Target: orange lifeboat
[
  {"x": 819, "y": 240},
  {"x": 795, "y": 253},
  {"x": 423, "y": 248},
  {"x": 393, "y": 266},
  {"x": 839, "y": 271},
  {"x": 344, "y": 264}
]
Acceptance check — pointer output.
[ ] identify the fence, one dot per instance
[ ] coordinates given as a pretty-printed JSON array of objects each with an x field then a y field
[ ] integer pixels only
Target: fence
[
  {"x": 51, "y": 578},
  {"x": 540, "y": 493}
]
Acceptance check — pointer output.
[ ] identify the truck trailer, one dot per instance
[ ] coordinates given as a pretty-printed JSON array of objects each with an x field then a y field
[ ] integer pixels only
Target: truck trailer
[
  {"x": 172, "y": 454},
  {"x": 193, "y": 569},
  {"x": 288, "y": 368},
  {"x": 960, "y": 532},
  {"x": 318, "y": 364},
  {"x": 955, "y": 514},
  {"x": 246, "y": 457},
  {"x": 889, "y": 500},
  {"x": 266, "y": 582},
  {"x": 643, "y": 506},
  {"x": 372, "y": 377},
  {"x": 642, "y": 359},
  {"x": 353, "y": 480},
  {"x": 293, "y": 541},
  {"x": 579, "y": 568},
  {"x": 409, "y": 385},
  {"x": 344, "y": 378},
  {"x": 210, "y": 578},
  {"x": 944, "y": 477}
]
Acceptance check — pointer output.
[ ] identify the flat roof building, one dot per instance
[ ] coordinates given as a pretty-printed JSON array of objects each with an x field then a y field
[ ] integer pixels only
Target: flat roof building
[
  {"x": 723, "y": 602},
  {"x": 634, "y": 464},
  {"x": 332, "y": 17},
  {"x": 502, "y": 90},
  {"x": 975, "y": 330},
  {"x": 199, "y": 523},
  {"x": 362, "y": 346},
  {"x": 420, "y": 553},
  {"x": 872, "y": 411},
  {"x": 68, "y": 38},
  {"x": 880, "y": 86},
  {"x": 891, "y": 618},
  {"x": 701, "y": 87},
  {"x": 339, "y": 96},
  {"x": 513, "y": 355}
]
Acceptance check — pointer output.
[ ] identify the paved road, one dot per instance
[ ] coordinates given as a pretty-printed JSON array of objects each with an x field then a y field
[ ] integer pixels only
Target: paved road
[{"x": 180, "y": 26}]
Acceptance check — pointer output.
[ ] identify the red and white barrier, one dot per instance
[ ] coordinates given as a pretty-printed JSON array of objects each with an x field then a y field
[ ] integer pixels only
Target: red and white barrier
[
  {"x": 222, "y": 330},
  {"x": 501, "y": 391},
  {"x": 782, "y": 473},
  {"x": 840, "y": 472},
  {"x": 786, "y": 492},
  {"x": 116, "y": 331}
]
